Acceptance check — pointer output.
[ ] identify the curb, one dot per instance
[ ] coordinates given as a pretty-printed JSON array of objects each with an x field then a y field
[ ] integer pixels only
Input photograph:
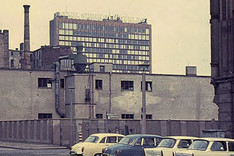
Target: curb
[{"x": 32, "y": 148}]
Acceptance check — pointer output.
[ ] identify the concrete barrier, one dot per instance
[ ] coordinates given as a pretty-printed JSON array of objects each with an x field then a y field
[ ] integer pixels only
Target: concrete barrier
[{"x": 58, "y": 131}]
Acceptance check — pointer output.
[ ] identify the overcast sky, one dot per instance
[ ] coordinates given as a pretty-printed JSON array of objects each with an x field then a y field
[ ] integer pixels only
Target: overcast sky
[{"x": 180, "y": 28}]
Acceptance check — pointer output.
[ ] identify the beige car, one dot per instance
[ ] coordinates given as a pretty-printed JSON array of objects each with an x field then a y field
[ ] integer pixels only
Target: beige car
[
  {"x": 94, "y": 144},
  {"x": 209, "y": 147},
  {"x": 169, "y": 145}
]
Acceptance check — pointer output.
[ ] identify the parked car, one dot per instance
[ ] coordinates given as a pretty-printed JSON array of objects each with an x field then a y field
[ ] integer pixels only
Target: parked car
[
  {"x": 94, "y": 144},
  {"x": 169, "y": 145},
  {"x": 209, "y": 147},
  {"x": 133, "y": 145}
]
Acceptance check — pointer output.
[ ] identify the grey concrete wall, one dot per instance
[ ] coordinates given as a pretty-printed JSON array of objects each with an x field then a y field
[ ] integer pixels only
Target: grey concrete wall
[
  {"x": 58, "y": 131},
  {"x": 36, "y": 131},
  {"x": 20, "y": 97},
  {"x": 172, "y": 96}
]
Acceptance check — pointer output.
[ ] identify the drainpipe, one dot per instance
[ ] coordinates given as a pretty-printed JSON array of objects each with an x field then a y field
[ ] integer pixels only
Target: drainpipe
[
  {"x": 110, "y": 106},
  {"x": 57, "y": 77}
]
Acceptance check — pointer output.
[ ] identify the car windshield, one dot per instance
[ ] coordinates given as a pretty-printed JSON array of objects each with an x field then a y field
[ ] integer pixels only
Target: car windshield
[
  {"x": 127, "y": 141},
  {"x": 167, "y": 143},
  {"x": 92, "y": 139},
  {"x": 199, "y": 145}
]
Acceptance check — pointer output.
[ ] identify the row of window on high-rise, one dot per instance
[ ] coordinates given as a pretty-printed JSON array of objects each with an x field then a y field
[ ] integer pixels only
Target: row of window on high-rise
[
  {"x": 90, "y": 60},
  {"x": 103, "y": 40},
  {"x": 103, "y": 34},
  {"x": 112, "y": 46},
  {"x": 116, "y": 51},
  {"x": 122, "y": 57},
  {"x": 99, "y": 27},
  {"x": 126, "y": 67},
  {"x": 107, "y": 45}
]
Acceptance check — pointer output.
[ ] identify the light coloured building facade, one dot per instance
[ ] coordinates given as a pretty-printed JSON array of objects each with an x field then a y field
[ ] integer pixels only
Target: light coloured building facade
[
  {"x": 30, "y": 94},
  {"x": 108, "y": 40}
]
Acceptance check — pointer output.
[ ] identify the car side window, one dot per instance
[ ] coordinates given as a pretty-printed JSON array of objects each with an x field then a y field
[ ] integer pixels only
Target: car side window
[
  {"x": 119, "y": 138},
  {"x": 158, "y": 140},
  {"x": 218, "y": 146},
  {"x": 138, "y": 142},
  {"x": 184, "y": 143},
  {"x": 148, "y": 142},
  {"x": 231, "y": 146},
  {"x": 111, "y": 139},
  {"x": 103, "y": 140}
]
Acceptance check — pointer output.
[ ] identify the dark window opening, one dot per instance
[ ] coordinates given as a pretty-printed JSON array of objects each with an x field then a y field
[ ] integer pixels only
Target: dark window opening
[
  {"x": 127, "y": 116},
  {"x": 61, "y": 83},
  {"x": 148, "y": 86},
  {"x": 31, "y": 57},
  {"x": 12, "y": 63},
  {"x": 127, "y": 85},
  {"x": 44, "y": 115},
  {"x": 44, "y": 83},
  {"x": 99, "y": 116},
  {"x": 99, "y": 84},
  {"x": 102, "y": 68},
  {"x": 87, "y": 95},
  {"x": 148, "y": 116}
]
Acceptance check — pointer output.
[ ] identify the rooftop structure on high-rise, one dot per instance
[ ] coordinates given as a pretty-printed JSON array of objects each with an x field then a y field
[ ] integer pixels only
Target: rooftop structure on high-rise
[{"x": 123, "y": 41}]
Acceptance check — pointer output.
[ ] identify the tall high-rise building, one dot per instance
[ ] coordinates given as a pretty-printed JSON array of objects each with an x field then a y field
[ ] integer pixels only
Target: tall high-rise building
[{"x": 122, "y": 41}]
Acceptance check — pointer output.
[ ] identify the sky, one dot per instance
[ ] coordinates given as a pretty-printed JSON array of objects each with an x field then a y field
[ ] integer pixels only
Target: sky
[{"x": 180, "y": 28}]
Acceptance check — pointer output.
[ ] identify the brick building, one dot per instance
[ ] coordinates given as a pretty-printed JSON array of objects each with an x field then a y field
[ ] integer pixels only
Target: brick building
[
  {"x": 44, "y": 57},
  {"x": 4, "y": 49}
]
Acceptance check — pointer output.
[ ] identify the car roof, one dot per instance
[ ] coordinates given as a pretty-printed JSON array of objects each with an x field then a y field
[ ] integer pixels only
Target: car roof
[
  {"x": 106, "y": 134},
  {"x": 215, "y": 139},
  {"x": 143, "y": 135},
  {"x": 181, "y": 137}
]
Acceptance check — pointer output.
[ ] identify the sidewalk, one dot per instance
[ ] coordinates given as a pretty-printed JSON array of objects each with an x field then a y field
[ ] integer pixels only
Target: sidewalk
[{"x": 29, "y": 146}]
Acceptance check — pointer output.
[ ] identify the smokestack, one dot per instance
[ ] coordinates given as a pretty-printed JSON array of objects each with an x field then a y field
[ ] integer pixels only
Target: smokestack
[{"x": 26, "y": 63}]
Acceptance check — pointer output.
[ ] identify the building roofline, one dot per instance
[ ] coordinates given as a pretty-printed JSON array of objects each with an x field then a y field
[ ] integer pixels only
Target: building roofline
[
  {"x": 101, "y": 18},
  {"x": 52, "y": 70}
]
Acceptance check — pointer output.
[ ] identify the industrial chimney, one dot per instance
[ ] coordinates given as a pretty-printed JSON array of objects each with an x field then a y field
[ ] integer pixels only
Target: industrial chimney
[{"x": 25, "y": 62}]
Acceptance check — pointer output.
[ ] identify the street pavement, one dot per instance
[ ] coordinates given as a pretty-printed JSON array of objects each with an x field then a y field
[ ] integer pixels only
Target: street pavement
[{"x": 31, "y": 149}]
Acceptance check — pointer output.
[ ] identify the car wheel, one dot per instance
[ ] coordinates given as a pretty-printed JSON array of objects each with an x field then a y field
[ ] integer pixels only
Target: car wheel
[{"x": 98, "y": 154}]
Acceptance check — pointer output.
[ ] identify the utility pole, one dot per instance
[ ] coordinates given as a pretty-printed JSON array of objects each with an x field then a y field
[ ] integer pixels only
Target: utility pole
[
  {"x": 143, "y": 108},
  {"x": 71, "y": 114}
]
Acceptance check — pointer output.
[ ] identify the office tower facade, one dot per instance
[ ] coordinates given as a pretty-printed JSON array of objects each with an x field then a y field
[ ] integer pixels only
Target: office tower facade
[{"x": 127, "y": 45}]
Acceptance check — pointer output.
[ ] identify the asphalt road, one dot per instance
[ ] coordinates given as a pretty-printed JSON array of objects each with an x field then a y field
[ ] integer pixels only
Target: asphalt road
[{"x": 44, "y": 152}]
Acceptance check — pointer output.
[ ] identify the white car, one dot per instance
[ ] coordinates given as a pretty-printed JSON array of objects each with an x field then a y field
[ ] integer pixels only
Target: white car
[
  {"x": 169, "y": 145},
  {"x": 94, "y": 144},
  {"x": 210, "y": 147}
]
